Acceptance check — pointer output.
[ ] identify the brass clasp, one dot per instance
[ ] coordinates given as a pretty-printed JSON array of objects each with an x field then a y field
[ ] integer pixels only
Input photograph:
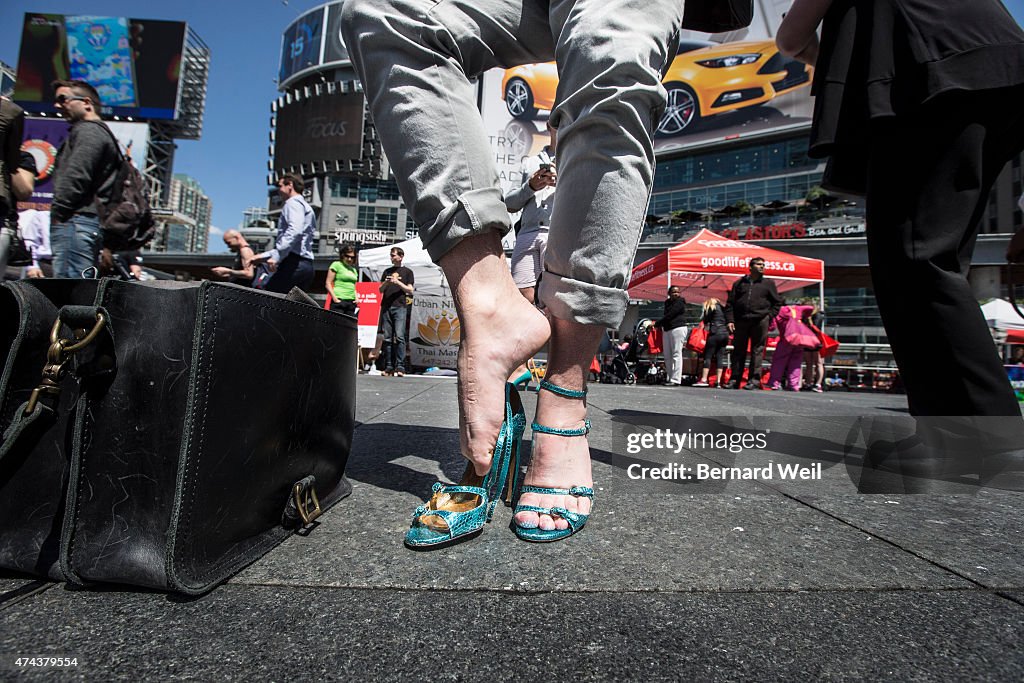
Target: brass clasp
[
  {"x": 307, "y": 502},
  {"x": 58, "y": 355}
]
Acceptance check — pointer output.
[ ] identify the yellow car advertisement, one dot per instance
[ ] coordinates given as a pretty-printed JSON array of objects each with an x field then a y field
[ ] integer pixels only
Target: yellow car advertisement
[
  {"x": 719, "y": 87},
  {"x": 703, "y": 80}
]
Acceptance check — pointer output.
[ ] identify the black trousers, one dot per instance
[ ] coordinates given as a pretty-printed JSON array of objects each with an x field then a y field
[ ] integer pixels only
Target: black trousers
[
  {"x": 928, "y": 184},
  {"x": 754, "y": 330},
  {"x": 293, "y": 271}
]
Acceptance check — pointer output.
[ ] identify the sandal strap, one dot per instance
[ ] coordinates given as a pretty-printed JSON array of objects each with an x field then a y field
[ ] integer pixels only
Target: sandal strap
[
  {"x": 582, "y": 431},
  {"x": 562, "y": 391},
  {"x": 574, "y": 491},
  {"x": 575, "y": 519},
  {"x": 458, "y": 488}
]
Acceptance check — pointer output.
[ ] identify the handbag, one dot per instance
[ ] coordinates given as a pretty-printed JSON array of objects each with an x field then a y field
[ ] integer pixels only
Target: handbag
[
  {"x": 798, "y": 333},
  {"x": 829, "y": 346},
  {"x": 152, "y": 452},
  {"x": 698, "y": 339},
  {"x": 717, "y": 16}
]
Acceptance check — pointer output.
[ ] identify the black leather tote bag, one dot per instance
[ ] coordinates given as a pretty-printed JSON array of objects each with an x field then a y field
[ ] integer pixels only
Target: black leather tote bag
[
  {"x": 208, "y": 423},
  {"x": 717, "y": 16}
]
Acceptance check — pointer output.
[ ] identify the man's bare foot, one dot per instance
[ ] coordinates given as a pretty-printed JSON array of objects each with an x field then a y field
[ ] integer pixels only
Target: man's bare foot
[
  {"x": 500, "y": 330},
  {"x": 557, "y": 462}
]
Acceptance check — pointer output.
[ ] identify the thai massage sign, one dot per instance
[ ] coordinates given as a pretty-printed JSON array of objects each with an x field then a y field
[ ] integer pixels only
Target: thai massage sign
[{"x": 434, "y": 332}]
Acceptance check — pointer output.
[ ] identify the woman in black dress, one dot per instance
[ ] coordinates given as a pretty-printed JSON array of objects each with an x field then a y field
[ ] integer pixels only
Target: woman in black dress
[{"x": 918, "y": 107}]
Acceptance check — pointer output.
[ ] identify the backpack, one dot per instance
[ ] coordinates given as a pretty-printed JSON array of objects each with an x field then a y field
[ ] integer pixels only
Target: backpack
[{"x": 126, "y": 218}]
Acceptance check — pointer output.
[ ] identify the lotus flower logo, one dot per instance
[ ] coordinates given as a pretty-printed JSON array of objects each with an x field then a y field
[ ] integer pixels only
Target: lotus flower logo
[{"x": 442, "y": 329}]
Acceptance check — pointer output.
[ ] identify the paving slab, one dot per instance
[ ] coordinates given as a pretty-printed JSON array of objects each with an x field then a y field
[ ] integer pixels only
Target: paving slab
[
  {"x": 980, "y": 537},
  {"x": 278, "y": 633}
]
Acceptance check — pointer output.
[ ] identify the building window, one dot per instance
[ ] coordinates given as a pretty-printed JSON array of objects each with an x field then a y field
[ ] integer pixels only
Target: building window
[{"x": 378, "y": 218}]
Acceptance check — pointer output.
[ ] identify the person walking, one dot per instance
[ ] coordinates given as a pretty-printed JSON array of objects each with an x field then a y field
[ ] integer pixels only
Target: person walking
[
  {"x": 243, "y": 270},
  {"x": 342, "y": 276},
  {"x": 911, "y": 109},
  {"x": 752, "y": 304},
  {"x": 396, "y": 288},
  {"x": 794, "y": 338},
  {"x": 673, "y": 324},
  {"x": 291, "y": 259},
  {"x": 17, "y": 175},
  {"x": 717, "y": 327},
  {"x": 84, "y": 175}
]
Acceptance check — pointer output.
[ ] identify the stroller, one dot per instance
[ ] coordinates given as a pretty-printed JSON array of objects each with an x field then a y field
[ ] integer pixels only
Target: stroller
[
  {"x": 614, "y": 368},
  {"x": 639, "y": 360}
]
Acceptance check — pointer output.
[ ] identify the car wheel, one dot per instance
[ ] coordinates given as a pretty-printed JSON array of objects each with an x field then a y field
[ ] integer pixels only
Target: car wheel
[
  {"x": 682, "y": 110},
  {"x": 519, "y": 99}
]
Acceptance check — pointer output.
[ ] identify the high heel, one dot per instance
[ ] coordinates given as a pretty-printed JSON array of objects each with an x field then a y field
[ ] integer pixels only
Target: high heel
[
  {"x": 523, "y": 380},
  {"x": 576, "y": 520},
  {"x": 457, "y": 512}
]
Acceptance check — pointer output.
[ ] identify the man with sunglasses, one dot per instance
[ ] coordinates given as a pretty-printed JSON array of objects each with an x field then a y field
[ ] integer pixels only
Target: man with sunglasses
[{"x": 84, "y": 174}]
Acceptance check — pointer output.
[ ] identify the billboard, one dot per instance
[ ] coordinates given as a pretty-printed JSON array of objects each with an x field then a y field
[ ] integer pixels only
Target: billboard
[
  {"x": 302, "y": 45},
  {"x": 326, "y": 127},
  {"x": 312, "y": 41},
  {"x": 134, "y": 64},
  {"x": 720, "y": 87},
  {"x": 43, "y": 138}
]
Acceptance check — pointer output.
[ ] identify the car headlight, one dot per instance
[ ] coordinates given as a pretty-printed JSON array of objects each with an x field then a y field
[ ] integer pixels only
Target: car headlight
[{"x": 731, "y": 60}]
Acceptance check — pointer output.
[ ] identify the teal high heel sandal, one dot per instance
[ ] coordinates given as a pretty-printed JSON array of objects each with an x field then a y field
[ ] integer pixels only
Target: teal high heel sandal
[
  {"x": 523, "y": 380},
  {"x": 457, "y": 512},
  {"x": 576, "y": 520}
]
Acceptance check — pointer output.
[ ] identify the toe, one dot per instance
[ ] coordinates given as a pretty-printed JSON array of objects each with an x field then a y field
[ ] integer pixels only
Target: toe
[
  {"x": 547, "y": 523},
  {"x": 527, "y": 520}
]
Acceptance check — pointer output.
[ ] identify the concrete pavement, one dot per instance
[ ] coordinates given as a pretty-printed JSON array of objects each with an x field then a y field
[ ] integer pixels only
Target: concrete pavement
[{"x": 690, "y": 579}]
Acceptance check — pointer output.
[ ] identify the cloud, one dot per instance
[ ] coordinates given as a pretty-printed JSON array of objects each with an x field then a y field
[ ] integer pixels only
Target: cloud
[{"x": 215, "y": 243}]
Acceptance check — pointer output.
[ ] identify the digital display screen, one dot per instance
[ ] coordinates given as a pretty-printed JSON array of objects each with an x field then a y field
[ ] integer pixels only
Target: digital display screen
[{"x": 134, "y": 64}]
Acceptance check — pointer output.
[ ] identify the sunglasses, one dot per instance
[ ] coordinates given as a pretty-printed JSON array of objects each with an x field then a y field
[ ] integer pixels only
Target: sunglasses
[{"x": 61, "y": 99}]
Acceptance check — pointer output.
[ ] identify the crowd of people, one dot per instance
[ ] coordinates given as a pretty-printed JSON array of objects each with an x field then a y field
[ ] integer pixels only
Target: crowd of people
[{"x": 751, "y": 312}]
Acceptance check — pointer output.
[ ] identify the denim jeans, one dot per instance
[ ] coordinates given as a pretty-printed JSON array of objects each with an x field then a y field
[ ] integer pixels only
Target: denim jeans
[
  {"x": 418, "y": 61},
  {"x": 76, "y": 245},
  {"x": 393, "y": 326}
]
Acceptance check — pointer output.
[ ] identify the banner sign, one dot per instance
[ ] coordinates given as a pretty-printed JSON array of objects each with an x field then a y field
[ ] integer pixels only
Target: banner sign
[
  {"x": 434, "y": 332},
  {"x": 368, "y": 298},
  {"x": 43, "y": 138}
]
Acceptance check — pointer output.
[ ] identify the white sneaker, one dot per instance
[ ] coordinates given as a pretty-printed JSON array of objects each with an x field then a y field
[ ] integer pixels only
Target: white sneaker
[
  {"x": 701, "y": 384},
  {"x": 373, "y": 371}
]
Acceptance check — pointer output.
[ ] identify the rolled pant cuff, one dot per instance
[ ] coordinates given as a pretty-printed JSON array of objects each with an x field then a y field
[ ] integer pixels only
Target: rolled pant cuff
[
  {"x": 582, "y": 302},
  {"x": 475, "y": 212}
]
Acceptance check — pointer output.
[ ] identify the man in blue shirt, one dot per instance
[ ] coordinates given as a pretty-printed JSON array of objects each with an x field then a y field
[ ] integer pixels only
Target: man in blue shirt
[{"x": 291, "y": 259}]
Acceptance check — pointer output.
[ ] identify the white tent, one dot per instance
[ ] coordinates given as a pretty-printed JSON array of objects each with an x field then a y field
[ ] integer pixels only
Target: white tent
[
  {"x": 429, "y": 278},
  {"x": 999, "y": 314}
]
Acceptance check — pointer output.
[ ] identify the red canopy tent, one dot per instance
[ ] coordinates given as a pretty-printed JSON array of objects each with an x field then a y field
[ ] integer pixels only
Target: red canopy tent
[{"x": 707, "y": 264}]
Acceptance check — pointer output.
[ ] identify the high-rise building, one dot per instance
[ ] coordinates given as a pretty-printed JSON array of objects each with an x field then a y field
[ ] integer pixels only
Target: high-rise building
[{"x": 187, "y": 197}]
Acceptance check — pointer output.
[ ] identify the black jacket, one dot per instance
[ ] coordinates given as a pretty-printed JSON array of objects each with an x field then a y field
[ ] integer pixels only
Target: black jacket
[
  {"x": 749, "y": 300},
  {"x": 675, "y": 314},
  {"x": 714, "y": 320},
  {"x": 86, "y": 168}
]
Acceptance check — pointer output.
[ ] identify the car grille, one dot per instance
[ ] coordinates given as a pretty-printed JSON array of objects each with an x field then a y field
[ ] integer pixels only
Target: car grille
[{"x": 796, "y": 74}]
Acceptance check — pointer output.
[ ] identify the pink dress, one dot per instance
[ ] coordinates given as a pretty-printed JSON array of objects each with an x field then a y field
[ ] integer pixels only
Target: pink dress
[{"x": 787, "y": 362}]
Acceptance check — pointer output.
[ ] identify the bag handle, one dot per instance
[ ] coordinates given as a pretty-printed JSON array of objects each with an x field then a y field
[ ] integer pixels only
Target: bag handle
[{"x": 39, "y": 412}]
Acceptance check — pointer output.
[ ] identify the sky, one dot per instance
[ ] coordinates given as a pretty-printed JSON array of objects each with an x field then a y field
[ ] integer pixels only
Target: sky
[{"x": 244, "y": 36}]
